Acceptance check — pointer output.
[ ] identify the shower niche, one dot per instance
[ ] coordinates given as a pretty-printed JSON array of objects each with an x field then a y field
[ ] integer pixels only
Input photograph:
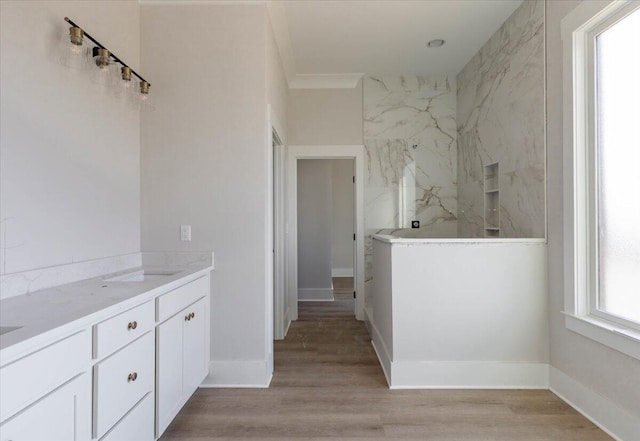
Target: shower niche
[{"x": 492, "y": 200}]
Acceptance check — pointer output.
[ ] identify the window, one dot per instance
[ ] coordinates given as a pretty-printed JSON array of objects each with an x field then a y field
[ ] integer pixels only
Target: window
[
  {"x": 617, "y": 170},
  {"x": 602, "y": 169}
]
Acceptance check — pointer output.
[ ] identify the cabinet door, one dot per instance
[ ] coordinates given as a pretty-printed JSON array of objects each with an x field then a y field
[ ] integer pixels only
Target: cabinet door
[
  {"x": 168, "y": 371},
  {"x": 64, "y": 415},
  {"x": 195, "y": 363}
]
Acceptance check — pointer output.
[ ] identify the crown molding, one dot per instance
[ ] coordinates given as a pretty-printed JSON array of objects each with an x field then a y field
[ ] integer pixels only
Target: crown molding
[{"x": 203, "y": 2}]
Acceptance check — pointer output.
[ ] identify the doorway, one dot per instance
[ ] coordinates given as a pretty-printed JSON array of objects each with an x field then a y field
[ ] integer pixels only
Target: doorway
[
  {"x": 326, "y": 239},
  {"x": 296, "y": 154}
]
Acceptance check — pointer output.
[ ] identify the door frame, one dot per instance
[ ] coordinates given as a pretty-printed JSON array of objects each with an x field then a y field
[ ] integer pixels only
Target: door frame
[
  {"x": 277, "y": 311},
  {"x": 294, "y": 153}
]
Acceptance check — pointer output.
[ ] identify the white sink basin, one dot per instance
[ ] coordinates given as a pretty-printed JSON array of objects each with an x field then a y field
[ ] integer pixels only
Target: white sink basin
[
  {"x": 142, "y": 276},
  {"x": 6, "y": 329}
]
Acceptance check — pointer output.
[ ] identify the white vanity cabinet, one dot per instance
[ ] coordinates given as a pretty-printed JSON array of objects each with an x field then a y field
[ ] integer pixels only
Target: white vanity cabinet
[
  {"x": 62, "y": 415},
  {"x": 121, "y": 381},
  {"x": 46, "y": 394},
  {"x": 120, "y": 375},
  {"x": 182, "y": 354},
  {"x": 125, "y": 371}
]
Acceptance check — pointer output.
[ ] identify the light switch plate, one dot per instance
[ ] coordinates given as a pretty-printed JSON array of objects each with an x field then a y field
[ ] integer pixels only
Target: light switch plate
[{"x": 185, "y": 232}]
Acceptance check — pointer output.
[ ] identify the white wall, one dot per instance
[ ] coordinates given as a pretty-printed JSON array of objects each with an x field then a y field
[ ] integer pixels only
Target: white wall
[
  {"x": 462, "y": 314},
  {"x": 342, "y": 228},
  {"x": 610, "y": 375},
  {"x": 205, "y": 163},
  {"x": 325, "y": 116},
  {"x": 314, "y": 224},
  {"x": 69, "y": 150},
  {"x": 277, "y": 86}
]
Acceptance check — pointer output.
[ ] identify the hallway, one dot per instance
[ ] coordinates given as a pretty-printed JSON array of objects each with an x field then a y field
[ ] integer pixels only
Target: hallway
[{"x": 328, "y": 385}]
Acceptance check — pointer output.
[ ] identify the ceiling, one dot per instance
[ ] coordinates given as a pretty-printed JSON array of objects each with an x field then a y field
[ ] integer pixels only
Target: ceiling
[{"x": 387, "y": 36}]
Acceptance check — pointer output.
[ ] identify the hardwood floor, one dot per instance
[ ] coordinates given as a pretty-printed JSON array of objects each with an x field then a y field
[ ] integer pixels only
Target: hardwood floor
[{"x": 327, "y": 385}]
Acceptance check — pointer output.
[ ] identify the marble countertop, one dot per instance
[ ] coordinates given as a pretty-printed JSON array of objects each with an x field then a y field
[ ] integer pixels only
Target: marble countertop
[
  {"x": 50, "y": 313},
  {"x": 386, "y": 238}
]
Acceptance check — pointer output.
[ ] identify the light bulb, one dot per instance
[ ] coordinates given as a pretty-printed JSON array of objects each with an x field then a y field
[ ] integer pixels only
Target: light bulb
[
  {"x": 73, "y": 52},
  {"x": 125, "y": 89},
  {"x": 102, "y": 57},
  {"x": 146, "y": 99}
]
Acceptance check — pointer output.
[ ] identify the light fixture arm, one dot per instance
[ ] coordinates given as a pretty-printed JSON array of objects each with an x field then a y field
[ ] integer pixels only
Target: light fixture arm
[{"x": 97, "y": 43}]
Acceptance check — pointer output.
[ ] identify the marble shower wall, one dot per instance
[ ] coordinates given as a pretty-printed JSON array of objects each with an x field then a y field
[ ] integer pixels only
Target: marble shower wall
[
  {"x": 411, "y": 157},
  {"x": 500, "y": 117}
]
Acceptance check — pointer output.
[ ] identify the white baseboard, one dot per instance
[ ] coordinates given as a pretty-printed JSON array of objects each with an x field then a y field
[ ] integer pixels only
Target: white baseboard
[
  {"x": 458, "y": 374},
  {"x": 286, "y": 328},
  {"x": 240, "y": 373},
  {"x": 315, "y": 294},
  {"x": 384, "y": 357},
  {"x": 468, "y": 375},
  {"x": 342, "y": 272},
  {"x": 368, "y": 320},
  {"x": 612, "y": 419}
]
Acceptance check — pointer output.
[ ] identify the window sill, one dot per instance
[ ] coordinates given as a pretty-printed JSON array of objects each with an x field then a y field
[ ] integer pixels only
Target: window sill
[{"x": 609, "y": 334}]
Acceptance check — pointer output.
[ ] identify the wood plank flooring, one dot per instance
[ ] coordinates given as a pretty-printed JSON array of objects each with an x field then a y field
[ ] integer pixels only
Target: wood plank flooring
[{"x": 328, "y": 385}]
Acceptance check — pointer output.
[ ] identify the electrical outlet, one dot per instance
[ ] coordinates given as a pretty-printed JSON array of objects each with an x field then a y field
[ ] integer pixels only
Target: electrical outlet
[
  {"x": 415, "y": 224},
  {"x": 185, "y": 232}
]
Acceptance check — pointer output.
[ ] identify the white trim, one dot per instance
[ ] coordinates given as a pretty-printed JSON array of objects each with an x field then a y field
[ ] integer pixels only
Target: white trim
[
  {"x": 609, "y": 334},
  {"x": 238, "y": 373},
  {"x": 315, "y": 295},
  {"x": 276, "y": 253},
  {"x": 325, "y": 81},
  {"x": 411, "y": 374},
  {"x": 612, "y": 419},
  {"x": 383, "y": 354},
  {"x": 577, "y": 34},
  {"x": 295, "y": 152},
  {"x": 286, "y": 329},
  {"x": 342, "y": 272},
  {"x": 202, "y": 2},
  {"x": 468, "y": 375}
]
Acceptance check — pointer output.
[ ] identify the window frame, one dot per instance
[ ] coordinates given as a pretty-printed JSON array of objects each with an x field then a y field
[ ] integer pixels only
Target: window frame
[{"x": 579, "y": 31}]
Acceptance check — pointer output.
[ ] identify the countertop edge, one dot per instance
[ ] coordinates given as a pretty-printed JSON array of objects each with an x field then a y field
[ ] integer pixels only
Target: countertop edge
[{"x": 19, "y": 349}]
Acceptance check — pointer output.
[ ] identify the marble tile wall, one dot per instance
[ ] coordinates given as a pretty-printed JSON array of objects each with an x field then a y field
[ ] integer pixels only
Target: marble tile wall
[
  {"x": 500, "y": 117},
  {"x": 411, "y": 158}
]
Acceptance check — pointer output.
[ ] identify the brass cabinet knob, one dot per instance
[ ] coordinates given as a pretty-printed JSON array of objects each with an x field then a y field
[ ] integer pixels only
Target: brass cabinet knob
[
  {"x": 132, "y": 377},
  {"x": 132, "y": 325}
]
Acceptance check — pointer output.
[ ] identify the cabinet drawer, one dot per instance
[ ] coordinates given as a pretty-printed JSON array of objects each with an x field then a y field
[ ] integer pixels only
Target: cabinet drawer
[
  {"x": 29, "y": 378},
  {"x": 137, "y": 425},
  {"x": 121, "y": 381},
  {"x": 125, "y": 327},
  {"x": 175, "y": 301}
]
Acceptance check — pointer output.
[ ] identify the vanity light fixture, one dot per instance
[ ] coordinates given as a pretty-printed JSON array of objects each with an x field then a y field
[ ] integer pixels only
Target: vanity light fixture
[
  {"x": 104, "y": 59},
  {"x": 144, "y": 89},
  {"x": 125, "y": 71},
  {"x": 435, "y": 43},
  {"x": 76, "y": 36}
]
